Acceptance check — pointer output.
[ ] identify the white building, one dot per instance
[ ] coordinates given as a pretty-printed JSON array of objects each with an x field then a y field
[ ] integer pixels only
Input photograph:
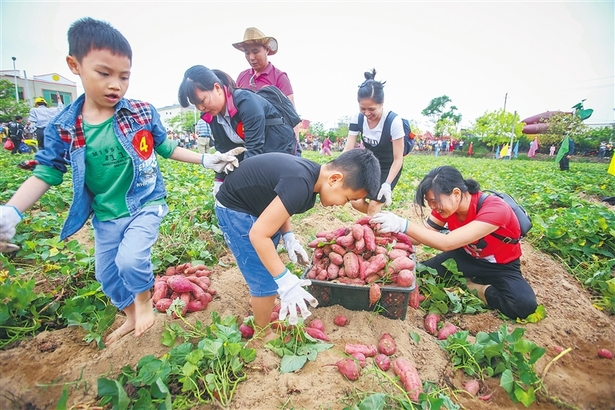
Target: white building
[
  {"x": 170, "y": 111},
  {"x": 46, "y": 86}
]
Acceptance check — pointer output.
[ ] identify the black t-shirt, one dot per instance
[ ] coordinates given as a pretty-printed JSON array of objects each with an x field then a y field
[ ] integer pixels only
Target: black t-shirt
[{"x": 259, "y": 179}]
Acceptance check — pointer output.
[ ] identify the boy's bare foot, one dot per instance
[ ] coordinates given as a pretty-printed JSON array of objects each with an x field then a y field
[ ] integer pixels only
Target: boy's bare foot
[
  {"x": 477, "y": 289},
  {"x": 144, "y": 313},
  {"x": 127, "y": 327}
]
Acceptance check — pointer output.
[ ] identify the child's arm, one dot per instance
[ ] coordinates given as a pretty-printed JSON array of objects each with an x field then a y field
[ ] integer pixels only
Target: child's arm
[{"x": 10, "y": 214}]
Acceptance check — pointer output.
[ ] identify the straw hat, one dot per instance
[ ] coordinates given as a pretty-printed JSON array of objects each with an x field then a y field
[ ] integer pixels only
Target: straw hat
[{"x": 252, "y": 35}]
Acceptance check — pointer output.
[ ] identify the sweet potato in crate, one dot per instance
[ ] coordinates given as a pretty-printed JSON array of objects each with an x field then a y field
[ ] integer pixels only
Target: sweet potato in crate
[{"x": 348, "y": 261}]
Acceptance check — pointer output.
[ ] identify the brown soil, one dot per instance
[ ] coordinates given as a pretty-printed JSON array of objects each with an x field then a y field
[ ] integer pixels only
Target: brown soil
[{"x": 33, "y": 373}]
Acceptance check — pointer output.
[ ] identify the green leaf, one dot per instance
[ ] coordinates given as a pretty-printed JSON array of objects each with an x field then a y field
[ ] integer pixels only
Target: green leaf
[
  {"x": 114, "y": 390},
  {"x": 507, "y": 381},
  {"x": 373, "y": 402},
  {"x": 63, "y": 399},
  {"x": 159, "y": 390},
  {"x": 416, "y": 338},
  {"x": 526, "y": 397},
  {"x": 290, "y": 363}
]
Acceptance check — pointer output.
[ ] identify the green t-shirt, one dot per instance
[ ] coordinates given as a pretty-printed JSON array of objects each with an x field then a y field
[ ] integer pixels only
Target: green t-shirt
[{"x": 108, "y": 171}]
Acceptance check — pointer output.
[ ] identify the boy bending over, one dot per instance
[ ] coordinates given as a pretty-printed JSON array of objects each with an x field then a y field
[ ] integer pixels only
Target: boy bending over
[{"x": 255, "y": 203}]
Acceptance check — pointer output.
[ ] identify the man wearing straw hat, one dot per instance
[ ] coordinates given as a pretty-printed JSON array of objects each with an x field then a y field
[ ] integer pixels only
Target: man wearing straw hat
[{"x": 256, "y": 47}]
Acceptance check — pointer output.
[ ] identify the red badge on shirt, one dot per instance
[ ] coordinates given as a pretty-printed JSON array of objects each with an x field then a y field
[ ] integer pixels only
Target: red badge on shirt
[
  {"x": 143, "y": 143},
  {"x": 239, "y": 131}
]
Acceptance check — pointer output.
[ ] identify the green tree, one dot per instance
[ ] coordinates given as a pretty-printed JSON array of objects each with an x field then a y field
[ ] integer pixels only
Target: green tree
[
  {"x": 495, "y": 128},
  {"x": 9, "y": 108},
  {"x": 317, "y": 128},
  {"x": 184, "y": 121},
  {"x": 438, "y": 112},
  {"x": 341, "y": 131}
]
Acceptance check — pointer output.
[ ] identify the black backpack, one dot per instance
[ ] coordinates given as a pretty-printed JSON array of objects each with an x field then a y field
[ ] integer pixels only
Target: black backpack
[
  {"x": 525, "y": 222},
  {"x": 282, "y": 103},
  {"x": 386, "y": 130},
  {"x": 14, "y": 130}
]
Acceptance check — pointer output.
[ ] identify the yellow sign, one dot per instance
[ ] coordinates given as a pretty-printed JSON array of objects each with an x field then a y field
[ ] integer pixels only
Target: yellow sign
[{"x": 55, "y": 77}]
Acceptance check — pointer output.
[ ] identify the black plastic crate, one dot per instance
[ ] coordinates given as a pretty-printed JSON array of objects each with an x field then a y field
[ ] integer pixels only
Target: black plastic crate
[{"x": 392, "y": 304}]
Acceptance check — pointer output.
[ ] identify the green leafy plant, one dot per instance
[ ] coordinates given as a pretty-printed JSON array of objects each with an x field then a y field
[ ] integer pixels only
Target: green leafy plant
[
  {"x": 296, "y": 347},
  {"x": 500, "y": 353}
]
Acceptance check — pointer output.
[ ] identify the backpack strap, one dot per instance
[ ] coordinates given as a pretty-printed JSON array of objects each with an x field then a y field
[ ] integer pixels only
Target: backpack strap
[
  {"x": 505, "y": 239},
  {"x": 386, "y": 128}
]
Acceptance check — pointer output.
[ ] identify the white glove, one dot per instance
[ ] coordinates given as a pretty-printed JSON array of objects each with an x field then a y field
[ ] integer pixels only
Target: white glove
[
  {"x": 220, "y": 162},
  {"x": 294, "y": 249},
  {"x": 292, "y": 295},
  {"x": 390, "y": 222},
  {"x": 9, "y": 218},
  {"x": 385, "y": 191}
]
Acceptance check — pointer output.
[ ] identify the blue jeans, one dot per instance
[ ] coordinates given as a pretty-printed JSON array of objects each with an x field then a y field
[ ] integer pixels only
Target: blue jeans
[
  {"x": 236, "y": 227},
  {"x": 122, "y": 248}
]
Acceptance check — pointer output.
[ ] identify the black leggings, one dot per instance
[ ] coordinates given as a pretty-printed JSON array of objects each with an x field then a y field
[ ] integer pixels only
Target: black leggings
[
  {"x": 509, "y": 291},
  {"x": 40, "y": 137}
]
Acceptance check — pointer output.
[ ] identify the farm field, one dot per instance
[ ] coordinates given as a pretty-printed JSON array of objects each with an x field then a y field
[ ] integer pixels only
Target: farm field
[{"x": 568, "y": 258}]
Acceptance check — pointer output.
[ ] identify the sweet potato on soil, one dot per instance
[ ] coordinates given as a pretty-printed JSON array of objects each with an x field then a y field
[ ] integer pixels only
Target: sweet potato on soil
[
  {"x": 431, "y": 323},
  {"x": 316, "y": 333},
  {"x": 368, "y": 351},
  {"x": 472, "y": 387},
  {"x": 179, "y": 284},
  {"x": 170, "y": 271},
  {"x": 387, "y": 345},
  {"x": 246, "y": 331},
  {"x": 605, "y": 354},
  {"x": 348, "y": 367},
  {"x": 196, "y": 305},
  {"x": 160, "y": 291},
  {"x": 383, "y": 362},
  {"x": 163, "y": 304},
  {"x": 360, "y": 357},
  {"x": 409, "y": 377},
  {"x": 317, "y": 324},
  {"x": 341, "y": 320},
  {"x": 446, "y": 331}
]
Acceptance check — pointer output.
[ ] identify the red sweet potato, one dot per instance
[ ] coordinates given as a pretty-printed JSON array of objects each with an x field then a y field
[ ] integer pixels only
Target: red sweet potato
[
  {"x": 351, "y": 265},
  {"x": 338, "y": 249},
  {"x": 413, "y": 300},
  {"x": 315, "y": 243},
  {"x": 348, "y": 367},
  {"x": 374, "y": 294},
  {"x": 387, "y": 345},
  {"x": 364, "y": 220},
  {"x": 404, "y": 246},
  {"x": 203, "y": 273},
  {"x": 345, "y": 241},
  {"x": 403, "y": 238},
  {"x": 605, "y": 354},
  {"x": 336, "y": 258},
  {"x": 316, "y": 333},
  {"x": 472, "y": 387},
  {"x": 360, "y": 357},
  {"x": 368, "y": 351},
  {"x": 317, "y": 324},
  {"x": 383, "y": 362},
  {"x": 196, "y": 305},
  {"x": 431, "y": 323},
  {"x": 185, "y": 297},
  {"x": 341, "y": 320},
  {"x": 163, "y": 304},
  {"x": 446, "y": 331},
  {"x": 405, "y": 278},
  {"x": 402, "y": 262},
  {"x": 396, "y": 253},
  {"x": 160, "y": 291},
  {"x": 246, "y": 331},
  {"x": 179, "y": 284},
  {"x": 376, "y": 263},
  {"x": 332, "y": 271},
  {"x": 170, "y": 271},
  {"x": 372, "y": 278},
  {"x": 369, "y": 237},
  {"x": 179, "y": 269},
  {"x": 359, "y": 246},
  {"x": 357, "y": 231},
  {"x": 409, "y": 377}
]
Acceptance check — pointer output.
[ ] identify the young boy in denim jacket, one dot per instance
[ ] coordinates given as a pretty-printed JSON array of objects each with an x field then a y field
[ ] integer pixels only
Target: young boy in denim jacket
[{"x": 117, "y": 178}]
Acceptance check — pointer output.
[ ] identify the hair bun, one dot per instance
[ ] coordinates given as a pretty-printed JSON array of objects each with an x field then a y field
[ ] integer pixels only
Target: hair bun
[{"x": 370, "y": 75}]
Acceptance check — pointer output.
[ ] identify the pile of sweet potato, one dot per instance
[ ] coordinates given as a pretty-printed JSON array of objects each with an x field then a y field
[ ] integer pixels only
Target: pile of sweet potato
[
  {"x": 357, "y": 255},
  {"x": 190, "y": 284}
]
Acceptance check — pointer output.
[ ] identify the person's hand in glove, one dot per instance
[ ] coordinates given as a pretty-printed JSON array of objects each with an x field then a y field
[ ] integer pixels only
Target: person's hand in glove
[
  {"x": 295, "y": 251},
  {"x": 219, "y": 162},
  {"x": 292, "y": 295},
  {"x": 390, "y": 222},
  {"x": 384, "y": 195},
  {"x": 9, "y": 218}
]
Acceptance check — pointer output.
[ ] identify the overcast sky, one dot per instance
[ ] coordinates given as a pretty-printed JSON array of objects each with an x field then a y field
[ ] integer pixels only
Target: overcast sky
[{"x": 543, "y": 55}]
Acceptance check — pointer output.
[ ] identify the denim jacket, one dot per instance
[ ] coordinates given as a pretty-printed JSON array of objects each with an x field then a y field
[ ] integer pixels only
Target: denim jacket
[{"x": 139, "y": 130}]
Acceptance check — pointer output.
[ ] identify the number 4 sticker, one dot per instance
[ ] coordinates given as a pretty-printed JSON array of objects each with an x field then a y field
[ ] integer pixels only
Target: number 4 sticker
[{"x": 143, "y": 143}]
